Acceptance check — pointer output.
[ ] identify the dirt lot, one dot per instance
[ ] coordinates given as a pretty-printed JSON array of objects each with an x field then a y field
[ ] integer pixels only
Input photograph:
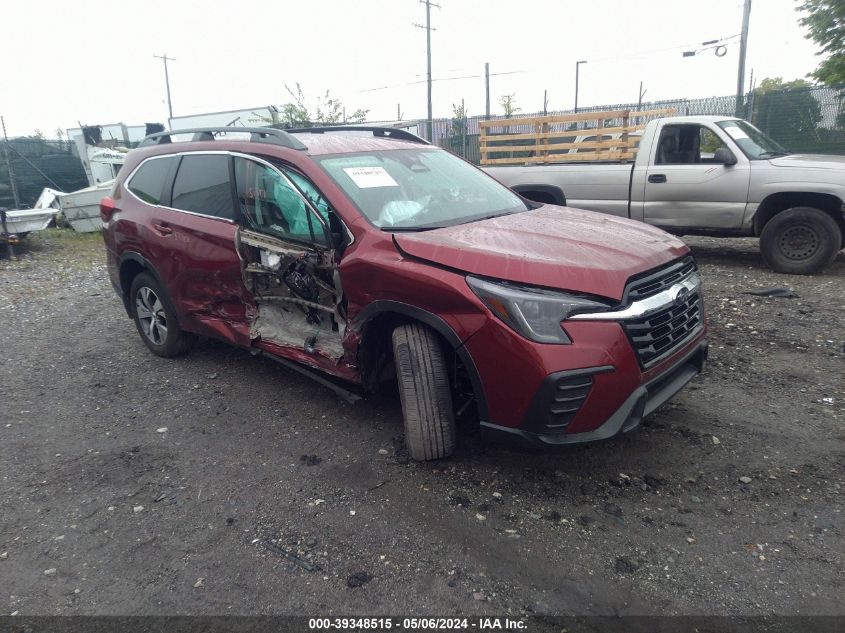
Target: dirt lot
[{"x": 222, "y": 483}]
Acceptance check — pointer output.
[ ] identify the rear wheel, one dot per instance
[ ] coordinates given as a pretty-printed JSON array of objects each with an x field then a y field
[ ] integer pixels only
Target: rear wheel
[
  {"x": 423, "y": 377},
  {"x": 800, "y": 241},
  {"x": 155, "y": 318}
]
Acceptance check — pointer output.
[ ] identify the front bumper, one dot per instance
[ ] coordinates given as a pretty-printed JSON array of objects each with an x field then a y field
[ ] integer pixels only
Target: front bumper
[{"x": 593, "y": 421}]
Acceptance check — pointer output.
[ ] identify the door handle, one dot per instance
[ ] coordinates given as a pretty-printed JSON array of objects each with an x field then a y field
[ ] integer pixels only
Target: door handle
[
  {"x": 657, "y": 178},
  {"x": 162, "y": 228}
]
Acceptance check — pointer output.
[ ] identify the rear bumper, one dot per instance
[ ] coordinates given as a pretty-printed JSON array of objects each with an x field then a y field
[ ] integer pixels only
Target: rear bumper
[{"x": 642, "y": 401}]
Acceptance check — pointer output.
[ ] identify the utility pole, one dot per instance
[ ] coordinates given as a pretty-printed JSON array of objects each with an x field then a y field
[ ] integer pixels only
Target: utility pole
[
  {"x": 165, "y": 59},
  {"x": 743, "y": 47},
  {"x": 428, "y": 4},
  {"x": 464, "y": 130},
  {"x": 577, "y": 68},
  {"x": 9, "y": 166},
  {"x": 640, "y": 98},
  {"x": 545, "y": 101},
  {"x": 487, "y": 88},
  {"x": 3, "y": 227}
]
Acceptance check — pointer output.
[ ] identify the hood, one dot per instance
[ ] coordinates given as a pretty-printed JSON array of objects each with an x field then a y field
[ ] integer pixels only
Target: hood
[
  {"x": 552, "y": 246},
  {"x": 810, "y": 161}
]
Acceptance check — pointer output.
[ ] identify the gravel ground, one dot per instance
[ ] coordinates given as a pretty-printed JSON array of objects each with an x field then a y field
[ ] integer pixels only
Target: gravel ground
[{"x": 221, "y": 483}]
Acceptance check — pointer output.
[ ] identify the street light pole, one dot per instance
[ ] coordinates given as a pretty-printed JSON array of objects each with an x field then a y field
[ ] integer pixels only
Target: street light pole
[
  {"x": 165, "y": 59},
  {"x": 577, "y": 69}
]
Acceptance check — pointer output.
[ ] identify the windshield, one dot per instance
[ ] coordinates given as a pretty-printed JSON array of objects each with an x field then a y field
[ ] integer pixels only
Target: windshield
[
  {"x": 420, "y": 188},
  {"x": 754, "y": 143}
]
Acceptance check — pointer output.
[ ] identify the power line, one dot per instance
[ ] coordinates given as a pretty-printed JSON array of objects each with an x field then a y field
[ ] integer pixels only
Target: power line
[{"x": 436, "y": 79}]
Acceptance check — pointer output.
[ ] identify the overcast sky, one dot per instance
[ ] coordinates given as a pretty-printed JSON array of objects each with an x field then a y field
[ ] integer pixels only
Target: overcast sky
[{"x": 92, "y": 61}]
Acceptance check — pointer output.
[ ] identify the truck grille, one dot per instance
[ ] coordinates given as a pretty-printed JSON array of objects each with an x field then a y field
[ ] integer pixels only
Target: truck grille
[{"x": 657, "y": 335}]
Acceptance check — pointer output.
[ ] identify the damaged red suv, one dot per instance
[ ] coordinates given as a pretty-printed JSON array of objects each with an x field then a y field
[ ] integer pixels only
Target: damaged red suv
[{"x": 370, "y": 255}]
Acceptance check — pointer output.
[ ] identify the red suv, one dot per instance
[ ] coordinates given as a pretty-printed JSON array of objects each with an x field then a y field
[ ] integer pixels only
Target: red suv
[{"x": 371, "y": 255}]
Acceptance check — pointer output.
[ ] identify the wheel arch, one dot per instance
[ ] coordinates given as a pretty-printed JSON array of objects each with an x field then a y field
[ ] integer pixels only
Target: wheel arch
[
  {"x": 548, "y": 194},
  {"x": 376, "y": 323},
  {"x": 781, "y": 201},
  {"x": 131, "y": 265}
]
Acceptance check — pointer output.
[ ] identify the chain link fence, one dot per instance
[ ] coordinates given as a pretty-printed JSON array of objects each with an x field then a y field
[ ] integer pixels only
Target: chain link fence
[
  {"x": 38, "y": 163},
  {"x": 808, "y": 120}
]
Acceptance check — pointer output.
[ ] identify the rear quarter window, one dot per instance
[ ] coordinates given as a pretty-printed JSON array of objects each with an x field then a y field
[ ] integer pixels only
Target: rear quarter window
[
  {"x": 203, "y": 186},
  {"x": 148, "y": 182}
]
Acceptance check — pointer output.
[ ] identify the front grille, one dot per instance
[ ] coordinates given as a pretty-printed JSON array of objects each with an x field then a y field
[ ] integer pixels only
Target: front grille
[
  {"x": 659, "y": 334},
  {"x": 653, "y": 282}
]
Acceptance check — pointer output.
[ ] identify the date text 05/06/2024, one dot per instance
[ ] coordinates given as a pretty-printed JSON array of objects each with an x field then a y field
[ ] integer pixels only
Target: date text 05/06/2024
[{"x": 417, "y": 624}]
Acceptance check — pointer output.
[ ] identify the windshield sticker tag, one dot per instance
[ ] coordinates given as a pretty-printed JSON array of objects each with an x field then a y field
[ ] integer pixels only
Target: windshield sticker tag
[
  {"x": 368, "y": 177},
  {"x": 736, "y": 133}
]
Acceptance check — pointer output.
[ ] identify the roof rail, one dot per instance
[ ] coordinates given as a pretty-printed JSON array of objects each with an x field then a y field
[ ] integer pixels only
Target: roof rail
[
  {"x": 383, "y": 132},
  {"x": 256, "y": 135}
]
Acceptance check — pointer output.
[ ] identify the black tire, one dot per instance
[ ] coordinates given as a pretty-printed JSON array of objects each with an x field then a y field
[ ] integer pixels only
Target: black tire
[
  {"x": 423, "y": 377},
  {"x": 800, "y": 241},
  {"x": 160, "y": 331}
]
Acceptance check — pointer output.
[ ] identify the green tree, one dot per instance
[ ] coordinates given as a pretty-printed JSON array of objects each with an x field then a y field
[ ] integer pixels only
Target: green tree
[
  {"x": 508, "y": 103},
  {"x": 825, "y": 21},
  {"x": 459, "y": 120},
  {"x": 328, "y": 110},
  {"x": 295, "y": 112},
  {"x": 788, "y": 112}
]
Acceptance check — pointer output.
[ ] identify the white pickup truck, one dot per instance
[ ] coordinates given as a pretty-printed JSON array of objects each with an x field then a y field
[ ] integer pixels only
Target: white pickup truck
[{"x": 709, "y": 175}]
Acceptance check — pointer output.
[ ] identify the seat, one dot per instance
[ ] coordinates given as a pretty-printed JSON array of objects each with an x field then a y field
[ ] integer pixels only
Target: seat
[
  {"x": 667, "y": 153},
  {"x": 690, "y": 151}
]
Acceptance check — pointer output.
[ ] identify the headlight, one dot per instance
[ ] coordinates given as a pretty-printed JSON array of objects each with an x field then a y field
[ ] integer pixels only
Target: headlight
[{"x": 535, "y": 313}]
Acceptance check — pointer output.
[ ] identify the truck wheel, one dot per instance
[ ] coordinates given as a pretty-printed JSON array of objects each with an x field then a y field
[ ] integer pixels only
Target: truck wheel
[
  {"x": 155, "y": 318},
  {"x": 800, "y": 241},
  {"x": 423, "y": 378}
]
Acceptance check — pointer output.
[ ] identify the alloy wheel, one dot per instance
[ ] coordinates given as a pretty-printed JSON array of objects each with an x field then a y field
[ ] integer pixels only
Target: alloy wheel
[{"x": 150, "y": 312}]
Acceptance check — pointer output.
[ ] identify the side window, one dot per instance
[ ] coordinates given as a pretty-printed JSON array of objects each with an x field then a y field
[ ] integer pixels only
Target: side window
[
  {"x": 686, "y": 145},
  {"x": 709, "y": 144},
  {"x": 148, "y": 182},
  {"x": 202, "y": 186},
  {"x": 269, "y": 204},
  {"x": 311, "y": 192}
]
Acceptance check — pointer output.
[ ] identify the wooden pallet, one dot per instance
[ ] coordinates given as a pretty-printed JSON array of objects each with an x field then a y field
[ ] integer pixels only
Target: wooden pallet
[{"x": 586, "y": 136}]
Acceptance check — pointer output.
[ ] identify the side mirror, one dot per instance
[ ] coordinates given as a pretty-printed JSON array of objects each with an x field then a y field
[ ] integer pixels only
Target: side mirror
[{"x": 724, "y": 156}]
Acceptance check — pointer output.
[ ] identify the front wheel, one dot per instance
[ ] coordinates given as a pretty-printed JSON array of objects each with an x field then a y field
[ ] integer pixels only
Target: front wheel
[
  {"x": 423, "y": 377},
  {"x": 800, "y": 241},
  {"x": 155, "y": 318}
]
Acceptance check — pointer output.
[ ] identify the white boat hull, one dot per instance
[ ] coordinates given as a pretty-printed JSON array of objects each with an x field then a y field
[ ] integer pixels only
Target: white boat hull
[
  {"x": 22, "y": 221},
  {"x": 82, "y": 208}
]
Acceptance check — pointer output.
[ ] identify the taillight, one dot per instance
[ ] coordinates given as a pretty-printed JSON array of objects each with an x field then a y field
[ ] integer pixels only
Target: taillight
[{"x": 107, "y": 207}]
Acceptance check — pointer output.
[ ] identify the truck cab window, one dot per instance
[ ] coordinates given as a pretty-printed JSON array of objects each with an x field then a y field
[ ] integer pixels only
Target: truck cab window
[{"x": 687, "y": 145}]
